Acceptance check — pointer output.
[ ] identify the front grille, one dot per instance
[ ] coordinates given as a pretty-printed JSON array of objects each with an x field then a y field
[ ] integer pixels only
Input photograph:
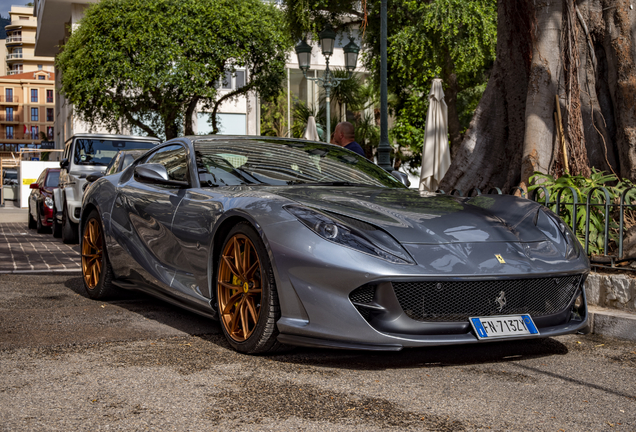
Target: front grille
[{"x": 457, "y": 301}]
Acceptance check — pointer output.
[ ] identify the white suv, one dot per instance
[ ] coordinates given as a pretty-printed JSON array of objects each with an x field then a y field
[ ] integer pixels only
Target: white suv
[{"x": 85, "y": 154}]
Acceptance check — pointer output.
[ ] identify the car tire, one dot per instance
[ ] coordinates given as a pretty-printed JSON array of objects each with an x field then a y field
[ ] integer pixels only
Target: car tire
[
  {"x": 32, "y": 223},
  {"x": 248, "y": 310},
  {"x": 69, "y": 229},
  {"x": 97, "y": 273},
  {"x": 41, "y": 229},
  {"x": 56, "y": 227}
]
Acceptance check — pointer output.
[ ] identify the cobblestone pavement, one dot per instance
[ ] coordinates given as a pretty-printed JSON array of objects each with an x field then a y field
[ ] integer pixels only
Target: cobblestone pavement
[
  {"x": 25, "y": 251},
  {"x": 135, "y": 363}
]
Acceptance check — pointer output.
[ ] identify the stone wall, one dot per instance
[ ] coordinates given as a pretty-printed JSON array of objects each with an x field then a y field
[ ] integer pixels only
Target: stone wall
[{"x": 617, "y": 291}]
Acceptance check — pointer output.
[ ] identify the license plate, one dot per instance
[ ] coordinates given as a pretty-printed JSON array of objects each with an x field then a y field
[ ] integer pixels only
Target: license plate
[{"x": 503, "y": 326}]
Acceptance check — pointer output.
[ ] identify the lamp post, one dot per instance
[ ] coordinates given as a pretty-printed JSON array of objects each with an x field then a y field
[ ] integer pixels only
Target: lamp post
[
  {"x": 384, "y": 148},
  {"x": 328, "y": 81}
]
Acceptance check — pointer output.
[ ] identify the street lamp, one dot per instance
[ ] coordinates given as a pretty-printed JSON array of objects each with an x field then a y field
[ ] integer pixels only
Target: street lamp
[
  {"x": 328, "y": 81},
  {"x": 384, "y": 148}
]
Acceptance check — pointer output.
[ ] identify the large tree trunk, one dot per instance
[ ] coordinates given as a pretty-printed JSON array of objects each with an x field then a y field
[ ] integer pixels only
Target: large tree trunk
[
  {"x": 492, "y": 148},
  {"x": 544, "y": 49}
]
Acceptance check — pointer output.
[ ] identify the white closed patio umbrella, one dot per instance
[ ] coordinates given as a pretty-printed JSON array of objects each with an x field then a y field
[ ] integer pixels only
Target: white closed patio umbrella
[
  {"x": 311, "y": 131},
  {"x": 435, "y": 151}
]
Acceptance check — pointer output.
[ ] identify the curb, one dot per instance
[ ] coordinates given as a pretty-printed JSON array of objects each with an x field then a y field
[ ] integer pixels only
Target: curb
[
  {"x": 40, "y": 272},
  {"x": 613, "y": 323}
]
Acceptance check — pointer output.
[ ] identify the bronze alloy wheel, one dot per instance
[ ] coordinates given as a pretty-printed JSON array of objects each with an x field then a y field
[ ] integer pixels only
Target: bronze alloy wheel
[
  {"x": 239, "y": 287},
  {"x": 92, "y": 253}
]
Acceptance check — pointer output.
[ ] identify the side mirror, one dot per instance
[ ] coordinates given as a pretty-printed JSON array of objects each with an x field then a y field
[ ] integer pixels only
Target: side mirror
[
  {"x": 155, "y": 174},
  {"x": 403, "y": 178},
  {"x": 64, "y": 163},
  {"x": 94, "y": 176},
  {"x": 34, "y": 186}
]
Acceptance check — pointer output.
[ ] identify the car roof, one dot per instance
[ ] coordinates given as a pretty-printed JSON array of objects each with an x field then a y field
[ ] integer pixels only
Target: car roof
[
  {"x": 113, "y": 136},
  {"x": 212, "y": 138}
]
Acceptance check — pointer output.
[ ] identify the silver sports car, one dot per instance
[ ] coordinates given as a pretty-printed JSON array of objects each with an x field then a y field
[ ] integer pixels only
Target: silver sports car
[{"x": 291, "y": 242}]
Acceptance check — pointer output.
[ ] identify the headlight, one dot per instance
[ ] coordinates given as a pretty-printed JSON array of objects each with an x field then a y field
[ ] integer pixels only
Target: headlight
[
  {"x": 353, "y": 234},
  {"x": 48, "y": 201}
]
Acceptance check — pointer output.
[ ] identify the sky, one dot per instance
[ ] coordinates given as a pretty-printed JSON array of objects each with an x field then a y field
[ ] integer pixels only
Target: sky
[{"x": 5, "y": 6}]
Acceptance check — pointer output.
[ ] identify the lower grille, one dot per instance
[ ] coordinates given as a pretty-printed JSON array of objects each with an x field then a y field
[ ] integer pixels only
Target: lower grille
[
  {"x": 363, "y": 295},
  {"x": 457, "y": 301}
]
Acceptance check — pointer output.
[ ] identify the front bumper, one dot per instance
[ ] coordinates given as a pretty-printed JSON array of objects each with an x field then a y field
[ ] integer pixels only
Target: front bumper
[{"x": 315, "y": 278}]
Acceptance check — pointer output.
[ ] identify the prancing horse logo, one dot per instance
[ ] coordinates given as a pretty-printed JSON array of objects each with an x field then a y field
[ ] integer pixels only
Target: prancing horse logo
[{"x": 501, "y": 300}]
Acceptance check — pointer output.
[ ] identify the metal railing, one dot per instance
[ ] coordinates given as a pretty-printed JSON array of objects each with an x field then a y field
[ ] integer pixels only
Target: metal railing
[
  {"x": 11, "y": 39},
  {"x": 596, "y": 198},
  {"x": 9, "y": 99},
  {"x": 14, "y": 56}
]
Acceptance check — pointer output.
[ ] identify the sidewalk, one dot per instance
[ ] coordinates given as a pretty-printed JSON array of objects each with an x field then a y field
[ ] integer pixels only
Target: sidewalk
[
  {"x": 12, "y": 213},
  {"x": 25, "y": 251}
]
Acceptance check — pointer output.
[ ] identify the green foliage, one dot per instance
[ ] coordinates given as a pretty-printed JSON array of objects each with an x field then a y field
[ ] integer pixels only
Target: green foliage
[
  {"x": 446, "y": 38},
  {"x": 150, "y": 62},
  {"x": 582, "y": 187},
  {"x": 274, "y": 116},
  {"x": 347, "y": 92}
]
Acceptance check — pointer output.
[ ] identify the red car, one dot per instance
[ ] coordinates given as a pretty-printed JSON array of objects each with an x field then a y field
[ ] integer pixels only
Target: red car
[{"x": 41, "y": 200}]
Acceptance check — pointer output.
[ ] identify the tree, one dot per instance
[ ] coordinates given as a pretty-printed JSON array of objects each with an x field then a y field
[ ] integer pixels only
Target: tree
[
  {"x": 453, "y": 39},
  {"x": 152, "y": 62},
  {"x": 581, "y": 52}
]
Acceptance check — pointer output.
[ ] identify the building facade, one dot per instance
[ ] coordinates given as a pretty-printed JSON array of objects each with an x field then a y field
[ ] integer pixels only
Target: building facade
[
  {"x": 27, "y": 110},
  {"x": 20, "y": 43},
  {"x": 240, "y": 116}
]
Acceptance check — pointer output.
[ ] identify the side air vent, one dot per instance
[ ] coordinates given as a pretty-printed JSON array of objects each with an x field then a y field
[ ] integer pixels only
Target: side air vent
[{"x": 362, "y": 298}]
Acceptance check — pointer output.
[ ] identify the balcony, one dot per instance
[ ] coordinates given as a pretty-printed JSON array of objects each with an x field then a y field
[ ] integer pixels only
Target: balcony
[
  {"x": 9, "y": 118},
  {"x": 13, "y": 39},
  {"x": 19, "y": 136},
  {"x": 14, "y": 72},
  {"x": 14, "y": 56},
  {"x": 10, "y": 99}
]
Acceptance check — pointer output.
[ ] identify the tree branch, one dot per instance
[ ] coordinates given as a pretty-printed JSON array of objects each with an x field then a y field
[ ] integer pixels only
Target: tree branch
[
  {"x": 189, "y": 130},
  {"x": 139, "y": 124},
  {"x": 230, "y": 95}
]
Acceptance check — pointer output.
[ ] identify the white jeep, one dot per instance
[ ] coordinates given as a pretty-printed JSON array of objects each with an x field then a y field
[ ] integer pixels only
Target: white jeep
[{"x": 85, "y": 154}]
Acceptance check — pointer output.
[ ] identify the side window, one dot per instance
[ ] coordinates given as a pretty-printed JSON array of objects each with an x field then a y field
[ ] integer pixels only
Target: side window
[
  {"x": 175, "y": 159},
  {"x": 67, "y": 150}
]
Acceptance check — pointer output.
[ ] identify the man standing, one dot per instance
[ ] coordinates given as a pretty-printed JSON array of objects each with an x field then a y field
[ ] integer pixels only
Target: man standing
[{"x": 344, "y": 136}]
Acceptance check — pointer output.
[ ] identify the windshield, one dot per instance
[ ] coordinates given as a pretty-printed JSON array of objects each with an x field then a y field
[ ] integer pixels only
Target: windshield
[
  {"x": 278, "y": 162},
  {"x": 52, "y": 179},
  {"x": 100, "y": 152}
]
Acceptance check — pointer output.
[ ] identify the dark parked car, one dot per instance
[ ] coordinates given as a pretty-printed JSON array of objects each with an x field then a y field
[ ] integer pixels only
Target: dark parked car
[
  {"x": 41, "y": 200},
  {"x": 291, "y": 242}
]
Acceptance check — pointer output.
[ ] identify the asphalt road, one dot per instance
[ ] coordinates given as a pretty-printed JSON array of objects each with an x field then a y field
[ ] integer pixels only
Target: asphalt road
[{"x": 69, "y": 363}]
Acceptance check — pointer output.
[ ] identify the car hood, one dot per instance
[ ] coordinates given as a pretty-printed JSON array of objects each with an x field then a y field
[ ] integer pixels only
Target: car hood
[{"x": 412, "y": 217}]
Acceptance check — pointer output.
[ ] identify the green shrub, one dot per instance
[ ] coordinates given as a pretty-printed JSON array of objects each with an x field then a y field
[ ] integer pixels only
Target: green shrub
[{"x": 582, "y": 186}]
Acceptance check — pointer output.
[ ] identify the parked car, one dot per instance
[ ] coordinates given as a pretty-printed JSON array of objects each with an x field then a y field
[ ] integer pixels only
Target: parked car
[
  {"x": 40, "y": 212},
  {"x": 9, "y": 176},
  {"x": 121, "y": 161},
  {"x": 291, "y": 242},
  {"x": 83, "y": 155}
]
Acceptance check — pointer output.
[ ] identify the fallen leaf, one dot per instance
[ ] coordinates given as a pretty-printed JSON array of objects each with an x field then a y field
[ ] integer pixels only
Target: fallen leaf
[
  {"x": 350, "y": 409},
  {"x": 103, "y": 306},
  {"x": 578, "y": 342},
  {"x": 611, "y": 424},
  {"x": 600, "y": 345}
]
